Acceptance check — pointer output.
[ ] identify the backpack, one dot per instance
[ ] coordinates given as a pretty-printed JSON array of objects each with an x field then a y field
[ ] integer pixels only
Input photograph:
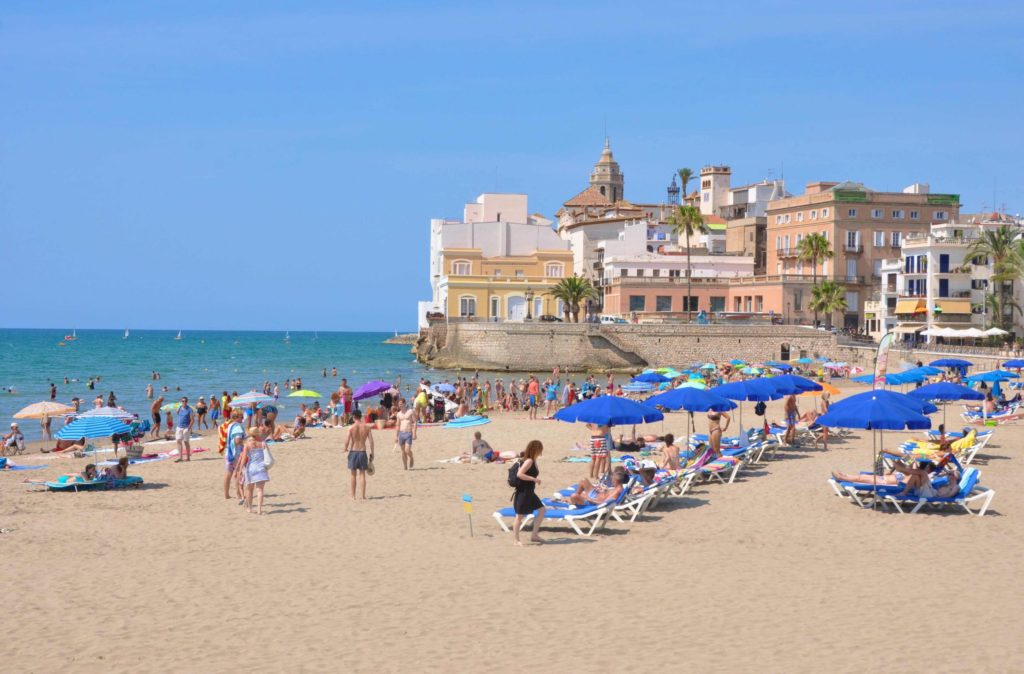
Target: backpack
[
  {"x": 760, "y": 408},
  {"x": 513, "y": 474}
]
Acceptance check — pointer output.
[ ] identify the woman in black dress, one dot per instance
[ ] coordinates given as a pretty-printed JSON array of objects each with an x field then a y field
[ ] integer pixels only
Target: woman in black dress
[{"x": 525, "y": 499}]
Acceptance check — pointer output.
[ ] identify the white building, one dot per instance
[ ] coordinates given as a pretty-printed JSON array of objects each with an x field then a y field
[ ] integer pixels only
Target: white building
[
  {"x": 880, "y": 312},
  {"x": 718, "y": 197}
]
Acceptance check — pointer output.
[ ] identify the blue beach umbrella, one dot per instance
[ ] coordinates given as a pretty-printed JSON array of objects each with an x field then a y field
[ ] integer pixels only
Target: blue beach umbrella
[
  {"x": 805, "y": 360},
  {"x": 691, "y": 400},
  {"x": 945, "y": 391},
  {"x": 92, "y": 427},
  {"x": 638, "y": 387},
  {"x": 991, "y": 376},
  {"x": 651, "y": 378},
  {"x": 951, "y": 362},
  {"x": 892, "y": 398},
  {"x": 874, "y": 410},
  {"x": 1015, "y": 364},
  {"x": 609, "y": 411},
  {"x": 758, "y": 390},
  {"x": 693, "y": 384},
  {"x": 736, "y": 361},
  {"x": 791, "y": 384},
  {"x": 707, "y": 366}
]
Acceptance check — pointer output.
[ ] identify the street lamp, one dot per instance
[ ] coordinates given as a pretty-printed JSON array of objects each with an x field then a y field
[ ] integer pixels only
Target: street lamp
[
  {"x": 529, "y": 303},
  {"x": 787, "y": 313}
]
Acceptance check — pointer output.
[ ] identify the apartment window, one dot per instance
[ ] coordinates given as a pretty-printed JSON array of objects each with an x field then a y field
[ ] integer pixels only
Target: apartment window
[
  {"x": 656, "y": 272},
  {"x": 785, "y": 242},
  {"x": 623, "y": 273},
  {"x": 778, "y": 219},
  {"x": 851, "y": 268},
  {"x": 519, "y": 273},
  {"x": 814, "y": 215},
  {"x": 717, "y": 304},
  {"x": 462, "y": 268},
  {"x": 798, "y": 298},
  {"x": 897, "y": 215},
  {"x": 673, "y": 273},
  {"x": 737, "y": 304},
  {"x": 800, "y": 216},
  {"x": 637, "y": 302},
  {"x": 851, "y": 212},
  {"x": 495, "y": 307},
  {"x": 759, "y": 303},
  {"x": 799, "y": 238},
  {"x": 879, "y": 239},
  {"x": 852, "y": 301},
  {"x": 663, "y": 303},
  {"x": 497, "y": 273},
  {"x": 940, "y": 215},
  {"x": 876, "y": 213},
  {"x": 800, "y": 267},
  {"x": 778, "y": 243},
  {"x": 707, "y": 196},
  {"x": 877, "y": 272},
  {"x": 639, "y": 273},
  {"x": 467, "y": 306},
  {"x": 824, "y": 233},
  {"x": 747, "y": 305},
  {"x": 787, "y": 218},
  {"x": 852, "y": 239},
  {"x": 897, "y": 239},
  {"x": 553, "y": 269},
  {"x": 914, "y": 215},
  {"x": 824, "y": 212}
]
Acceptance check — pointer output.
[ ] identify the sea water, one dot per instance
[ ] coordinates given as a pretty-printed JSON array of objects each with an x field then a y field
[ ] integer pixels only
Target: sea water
[{"x": 201, "y": 363}]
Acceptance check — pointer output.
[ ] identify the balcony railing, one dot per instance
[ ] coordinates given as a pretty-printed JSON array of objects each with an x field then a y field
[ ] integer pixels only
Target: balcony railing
[
  {"x": 786, "y": 251},
  {"x": 853, "y": 248},
  {"x": 851, "y": 279}
]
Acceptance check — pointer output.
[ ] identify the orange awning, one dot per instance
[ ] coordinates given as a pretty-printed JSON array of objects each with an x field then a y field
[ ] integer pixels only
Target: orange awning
[{"x": 909, "y": 306}]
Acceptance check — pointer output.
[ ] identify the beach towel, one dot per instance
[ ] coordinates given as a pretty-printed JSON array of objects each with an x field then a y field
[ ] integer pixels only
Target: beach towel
[{"x": 11, "y": 466}]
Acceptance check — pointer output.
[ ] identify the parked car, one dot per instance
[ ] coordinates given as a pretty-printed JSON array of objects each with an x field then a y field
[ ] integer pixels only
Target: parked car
[
  {"x": 608, "y": 320},
  {"x": 548, "y": 318}
]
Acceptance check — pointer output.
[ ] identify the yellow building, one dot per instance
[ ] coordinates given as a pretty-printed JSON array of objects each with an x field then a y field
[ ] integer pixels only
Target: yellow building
[{"x": 496, "y": 264}]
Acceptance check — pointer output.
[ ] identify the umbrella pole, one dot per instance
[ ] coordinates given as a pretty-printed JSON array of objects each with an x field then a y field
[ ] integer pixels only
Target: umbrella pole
[{"x": 874, "y": 469}]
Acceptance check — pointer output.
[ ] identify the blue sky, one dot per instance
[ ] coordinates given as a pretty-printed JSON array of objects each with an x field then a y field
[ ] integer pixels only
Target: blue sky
[{"x": 155, "y": 157}]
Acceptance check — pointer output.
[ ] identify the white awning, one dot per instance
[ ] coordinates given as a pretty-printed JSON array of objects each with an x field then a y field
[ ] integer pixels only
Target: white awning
[{"x": 907, "y": 329}]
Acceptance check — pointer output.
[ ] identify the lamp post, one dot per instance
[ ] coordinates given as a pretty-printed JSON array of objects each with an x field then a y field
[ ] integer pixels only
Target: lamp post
[
  {"x": 529, "y": 304},
  {"x": 787, "y": 313}
]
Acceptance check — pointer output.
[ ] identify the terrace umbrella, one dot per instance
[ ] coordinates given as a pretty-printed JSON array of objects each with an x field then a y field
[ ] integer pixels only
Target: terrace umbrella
[
  {"x": 371, "y": 389},
  {"x": 945, "y": 391},
  {"x": 609, "y": 411},
  {"x": 92, "y": 427},
  {"x": 304, "y": 393},
  {"x": 651, "y": 378},
  {"x": 691, "y": 400},
  {"x": 46, "y": 408},
  {"x": 876, "y": 411},
  {"x": 995, "y": 332}
]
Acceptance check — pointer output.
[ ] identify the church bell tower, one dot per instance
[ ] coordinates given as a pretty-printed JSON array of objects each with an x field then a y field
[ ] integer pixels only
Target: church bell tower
[{"x": 606, "y": 177}]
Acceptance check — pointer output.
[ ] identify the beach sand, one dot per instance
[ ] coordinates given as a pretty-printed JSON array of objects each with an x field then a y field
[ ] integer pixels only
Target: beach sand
[{"x": 771, "y": 573}]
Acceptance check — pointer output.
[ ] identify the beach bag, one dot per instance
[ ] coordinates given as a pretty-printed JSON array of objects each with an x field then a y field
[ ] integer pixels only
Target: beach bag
[
  {"x": 268, "y": 458},
  {"x": 513, "y": 474},
  {"x": 759, "y": 408}
]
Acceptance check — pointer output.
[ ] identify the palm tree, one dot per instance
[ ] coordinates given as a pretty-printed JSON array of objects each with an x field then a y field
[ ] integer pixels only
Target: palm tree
[
  {"x": 814, "y": 248},
  {"x": 993, "y": 305},
  {"x": 573, "y": 290},
  {"x": 828, "y": 297},
  {"x": 687, "y": 221},
  {"x": 684, "y": 177},
  {"x": 1005, "y": 253}
]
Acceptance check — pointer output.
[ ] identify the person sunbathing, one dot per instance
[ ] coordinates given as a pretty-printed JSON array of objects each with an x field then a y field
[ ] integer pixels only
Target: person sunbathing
[
  {"x": 588, "y": 493},
  {"x": 89, "y": 474},
  {"x": 118, "y": 471},
  {"x": 670, "y": 454},
  {"x": 67, "y": 446}
]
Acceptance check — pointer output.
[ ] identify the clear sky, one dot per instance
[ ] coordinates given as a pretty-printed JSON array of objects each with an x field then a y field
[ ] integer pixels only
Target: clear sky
[{"x": 268, "y": 165}]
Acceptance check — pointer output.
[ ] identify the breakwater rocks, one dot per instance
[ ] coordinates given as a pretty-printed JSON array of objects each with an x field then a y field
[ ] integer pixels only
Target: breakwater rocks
[
  {"x": 408, "y": 338},
  {"x": 579, "y": 347}
]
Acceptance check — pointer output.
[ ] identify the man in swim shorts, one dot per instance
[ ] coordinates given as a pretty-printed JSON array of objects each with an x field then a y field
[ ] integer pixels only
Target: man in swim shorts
[
  {"x": 183, "y": 431},
  {"x": 405, "y": 432},
  {"x": 532, "y": 393},
  {"x": 358, "y": 437}
]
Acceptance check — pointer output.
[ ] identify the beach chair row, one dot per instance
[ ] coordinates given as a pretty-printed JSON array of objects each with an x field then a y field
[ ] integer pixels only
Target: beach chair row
[{"x": 971, "y": 493}]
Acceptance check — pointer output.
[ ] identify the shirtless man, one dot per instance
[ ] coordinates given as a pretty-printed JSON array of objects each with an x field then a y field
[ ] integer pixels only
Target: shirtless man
[
  {"x": 405, "y": 432},
  {"x": 359, "y": 435},
  {"x": 154, "y": 411},
  {"x": 346, "y": 400}
]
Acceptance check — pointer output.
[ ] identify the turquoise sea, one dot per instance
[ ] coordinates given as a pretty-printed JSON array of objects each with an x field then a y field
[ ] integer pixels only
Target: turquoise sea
[{"x": 201, "y": 363}]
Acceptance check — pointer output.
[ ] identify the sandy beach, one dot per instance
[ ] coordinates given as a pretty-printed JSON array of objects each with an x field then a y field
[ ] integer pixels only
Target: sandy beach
[{"x": 771, "y": 573}]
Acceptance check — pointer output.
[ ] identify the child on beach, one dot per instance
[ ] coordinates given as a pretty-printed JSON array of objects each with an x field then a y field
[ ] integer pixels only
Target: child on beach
[{"x": 253, "y": 470}]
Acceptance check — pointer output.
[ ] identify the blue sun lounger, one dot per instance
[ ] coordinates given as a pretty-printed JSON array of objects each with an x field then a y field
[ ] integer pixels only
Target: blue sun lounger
[
  {"x": 970, "y": 492},
  {"x": 79, "y": 484}
]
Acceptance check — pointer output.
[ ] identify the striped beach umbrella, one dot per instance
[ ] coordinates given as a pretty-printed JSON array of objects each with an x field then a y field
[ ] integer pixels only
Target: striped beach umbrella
[
  {"x": 251, "y": 399},
  {"x": 115, "y": 412},
  {"x": 92, "y": 427}
]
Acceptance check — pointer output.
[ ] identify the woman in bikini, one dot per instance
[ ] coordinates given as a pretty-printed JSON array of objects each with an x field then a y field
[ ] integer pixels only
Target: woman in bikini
[{"x": 715, "y": 430}]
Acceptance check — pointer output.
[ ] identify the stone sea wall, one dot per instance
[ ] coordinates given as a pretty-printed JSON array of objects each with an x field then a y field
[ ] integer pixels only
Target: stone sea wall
[{"x": 609, "y": 348}]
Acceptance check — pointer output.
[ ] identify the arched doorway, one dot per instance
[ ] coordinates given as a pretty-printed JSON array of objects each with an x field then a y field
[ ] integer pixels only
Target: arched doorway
[{"x": 517, "y": 308}]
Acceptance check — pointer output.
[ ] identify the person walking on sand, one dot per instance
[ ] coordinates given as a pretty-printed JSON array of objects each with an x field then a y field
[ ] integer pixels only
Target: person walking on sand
[
  {"x": 356, "y": 441},
  {"x": 346, "y": 401},
  {"x": 405, "y": 432},
  {"x": 154, "y": 411},
  {"x": 525, "y": 500},
  {"x": 232, "y": 451},
  {"x": 253, "y": 468},
  {"x": 792, "y": 416},
  {"x": 533, "y": 394},
  {"x": 183, "y": 431}
]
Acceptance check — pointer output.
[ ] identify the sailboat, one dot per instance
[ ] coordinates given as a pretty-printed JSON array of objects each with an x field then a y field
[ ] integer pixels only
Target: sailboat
[
  {"x": 287, "y": 336},
  {"x": 125, "y": 334},
  {"x": 179, "y": 337},
  {"x": 72, "y": 337}
]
